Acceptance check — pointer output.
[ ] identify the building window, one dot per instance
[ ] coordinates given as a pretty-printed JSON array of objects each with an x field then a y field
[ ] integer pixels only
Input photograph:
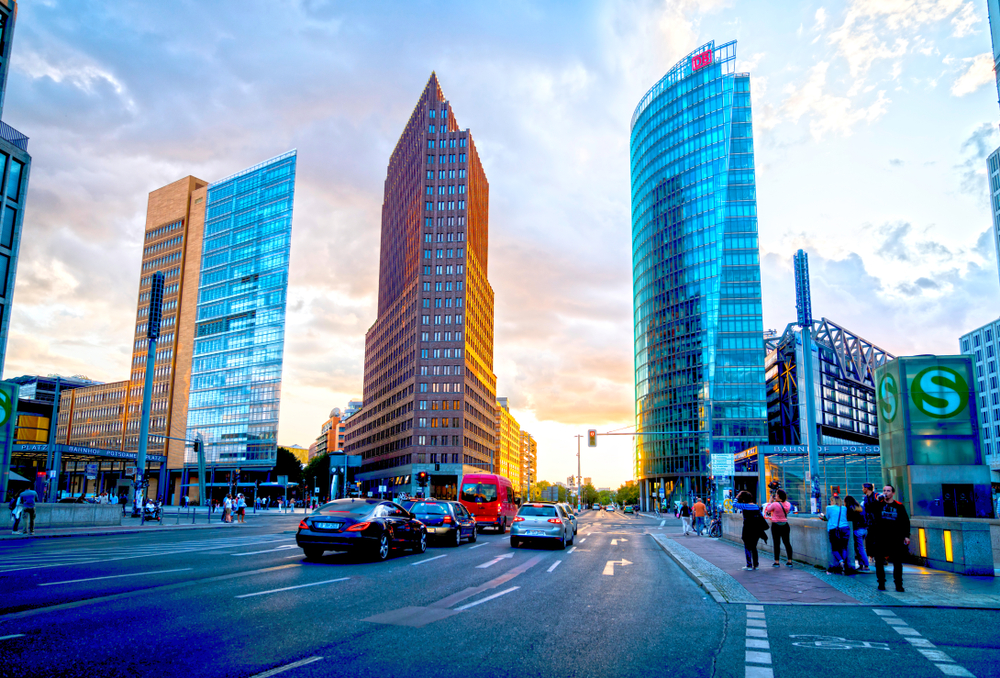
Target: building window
[
  {"x": 423, "y": 405},
  {"x": 425, "y": 320},
  {"x": 423, "y": 388},
  {"x": 461, "y": 174},
  {"x": 430, "y": 159}
]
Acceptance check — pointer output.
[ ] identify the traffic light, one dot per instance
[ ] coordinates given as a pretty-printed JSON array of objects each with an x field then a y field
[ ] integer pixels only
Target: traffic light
[
  {"x": 422, "y": 478},
  {"x": 592, "y": 438}
]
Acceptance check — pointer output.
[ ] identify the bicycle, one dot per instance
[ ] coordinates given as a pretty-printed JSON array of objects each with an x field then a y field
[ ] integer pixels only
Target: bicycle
[{"x": 715, "y": 528}]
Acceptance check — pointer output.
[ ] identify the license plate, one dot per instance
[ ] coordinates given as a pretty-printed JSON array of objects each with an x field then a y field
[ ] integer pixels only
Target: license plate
[
  {"x": 327, "y": 526},
  {"x": 534, "y": 533}
]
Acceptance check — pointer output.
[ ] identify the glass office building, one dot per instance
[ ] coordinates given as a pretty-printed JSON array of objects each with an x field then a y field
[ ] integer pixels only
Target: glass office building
[
  {"x": 699, "y": 348},
  {"x": 239, "y": 331}
]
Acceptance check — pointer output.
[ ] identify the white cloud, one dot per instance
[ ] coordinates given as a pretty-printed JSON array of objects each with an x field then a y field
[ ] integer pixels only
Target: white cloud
[
  {"x": 821, "y": 17},
  {"x": 828, "y": 112},
  {"x": 978, "y": 73}
]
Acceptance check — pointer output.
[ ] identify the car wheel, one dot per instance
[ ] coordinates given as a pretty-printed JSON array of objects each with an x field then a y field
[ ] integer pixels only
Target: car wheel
[
  {"x": 514, "y": 542},
  {"x": 313, "y": 553},
  {"x": 458, "y": 537},
  {"x": 572, "y": 539},
  {"x": 382, "y": 550},
  {"x": 503, "y": 526},
  {"x": 474, "y": 535},
  {"x": 562, "y": 543},
  {"x": 422, "y": 544}
]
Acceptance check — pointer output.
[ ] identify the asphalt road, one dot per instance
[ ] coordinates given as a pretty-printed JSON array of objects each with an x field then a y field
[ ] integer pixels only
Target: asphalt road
[{"x": 242, "y": 601}]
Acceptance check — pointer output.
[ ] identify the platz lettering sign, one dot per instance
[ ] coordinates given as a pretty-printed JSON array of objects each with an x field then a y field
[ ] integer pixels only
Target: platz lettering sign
[{"x": 699, "y": 61}]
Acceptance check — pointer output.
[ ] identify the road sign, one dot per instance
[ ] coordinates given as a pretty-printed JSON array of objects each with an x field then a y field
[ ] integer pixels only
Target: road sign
[
  {"x": 91, "y": 471},
  {"x": 723, "y": 465},
  {"x": 130, "y": 471},
  {"x": 381, "y": 488}
]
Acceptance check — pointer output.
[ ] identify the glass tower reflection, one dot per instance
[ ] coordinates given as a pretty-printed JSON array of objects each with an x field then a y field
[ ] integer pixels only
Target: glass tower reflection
[
  {"x": 239, "y": 331},
  {"x": 699, "y": 349}
]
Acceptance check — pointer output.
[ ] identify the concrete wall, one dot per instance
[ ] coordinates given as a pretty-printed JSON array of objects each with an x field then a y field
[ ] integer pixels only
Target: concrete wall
[
  {"x": 68, "y": 515},
  {"x": 975, "y": 542}
]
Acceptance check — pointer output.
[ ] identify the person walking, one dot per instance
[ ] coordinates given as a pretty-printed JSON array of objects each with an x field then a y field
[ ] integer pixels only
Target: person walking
[
  {"x": 685, "y": 513},
  {"x": 15, "y": 514},
  {"x": 241, "y": 507},
  {"x": 227, "y": 509},
  {"x": 700, "y": 511},
  {"x": 777, "y": 510},
  {"x": 859, "y": 530},
  {"x": 27, "y": 500},
  {"x": 753, "y": 528},
  {"x": 838, "y": 531},
  {"x": 890, "y": 532}
]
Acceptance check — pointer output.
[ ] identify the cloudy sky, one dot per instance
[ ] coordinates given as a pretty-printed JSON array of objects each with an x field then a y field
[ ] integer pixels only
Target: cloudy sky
[{"x": 873, "y": 121}]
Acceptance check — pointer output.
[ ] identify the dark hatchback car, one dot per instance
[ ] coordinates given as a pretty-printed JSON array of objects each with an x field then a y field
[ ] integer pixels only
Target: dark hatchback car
[
  {"x": 367, "y": 526},
  {"x": 447, "y": 521}
]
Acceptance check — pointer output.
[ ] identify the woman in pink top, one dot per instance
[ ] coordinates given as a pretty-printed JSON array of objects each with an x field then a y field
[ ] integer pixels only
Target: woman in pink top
[{"x": 777, "y": 510}]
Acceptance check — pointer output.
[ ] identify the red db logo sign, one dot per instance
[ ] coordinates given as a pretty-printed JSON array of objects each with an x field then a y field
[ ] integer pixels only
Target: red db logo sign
[{"x": 699, "y": 61}]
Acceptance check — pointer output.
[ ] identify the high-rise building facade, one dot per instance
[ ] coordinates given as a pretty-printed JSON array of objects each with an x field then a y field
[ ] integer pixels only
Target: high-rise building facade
[
  {"x": 429, "y": 388},
  {"x": 529, "y": 463},
  {"x": 699, "y": 352},
  {"x": 983, "y": 345},
  {"x": 507, "y": 459},
  {"x": 238, "y": 306},
  {"x": 15, "y": 168},
  {"x": 239, "y": 330}
]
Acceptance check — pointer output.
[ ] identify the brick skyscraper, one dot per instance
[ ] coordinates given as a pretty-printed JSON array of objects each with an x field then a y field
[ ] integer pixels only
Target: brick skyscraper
[{"x": 429, "y": 388}]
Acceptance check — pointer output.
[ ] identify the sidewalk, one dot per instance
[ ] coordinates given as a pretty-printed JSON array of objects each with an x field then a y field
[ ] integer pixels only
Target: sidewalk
[
  {"x": 717, "y": 566},
  {"x": 132, "y": 525}
]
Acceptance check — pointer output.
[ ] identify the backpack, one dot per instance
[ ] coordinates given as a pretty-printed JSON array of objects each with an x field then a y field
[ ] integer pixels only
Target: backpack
[{"x": 12, "y": 504}]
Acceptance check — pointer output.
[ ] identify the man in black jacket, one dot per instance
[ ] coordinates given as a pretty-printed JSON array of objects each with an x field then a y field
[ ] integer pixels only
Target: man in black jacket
[{"x": 891, "y": 532}]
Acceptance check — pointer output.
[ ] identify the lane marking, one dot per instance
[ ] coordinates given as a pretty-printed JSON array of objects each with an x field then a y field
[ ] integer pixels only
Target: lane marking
[
  {"x": 456, "y": 598},
  {"x": 280, "y": 548},
  {"x": 286, "y": 667},
  {"x": 940, "y": 659},
  {"x": 427, "y": 560},
  {"x": 609, "y": 567},
  {"x": 554, "y": 566},
  {"x": 483, "y": 600},
  {"x": 571, "y": 550},
  {"x": 583, "y": 540},
  {"x": 289, "y": 588},
  {"x": 478, "y": 546},
  {"x": 13, "y": 635},
  {"x": 496, "y": 560},
  {"x": 614, "y": 542},
  {"x": 113, "y": 576},
  {"x": 662, "y": 523},
  {"x": 756, "y": 644}
]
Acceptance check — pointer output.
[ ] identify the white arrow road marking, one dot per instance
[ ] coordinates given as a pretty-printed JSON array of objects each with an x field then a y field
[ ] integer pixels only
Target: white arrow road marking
[
  {"x": 614, "y": 542},
  {"x": 609, "y": 569},
  {"x": 494, "y": 561}
]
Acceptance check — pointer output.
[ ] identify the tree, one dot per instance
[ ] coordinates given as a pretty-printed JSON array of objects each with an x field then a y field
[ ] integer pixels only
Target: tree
[
  {"x": 287, "y": 464},
  {"x": 589, "y": 495},
  {"x": 538, "y": 488},
  {"x": 604, "y": 497},
  {"x": 627, "y": 494},
  {"x": 317, "y": 473}
]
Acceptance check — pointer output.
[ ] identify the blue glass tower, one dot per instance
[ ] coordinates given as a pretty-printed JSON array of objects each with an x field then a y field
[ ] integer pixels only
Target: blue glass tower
[
  {"x": 240, "y": 324},
  {"x": 699, "y": 348}
]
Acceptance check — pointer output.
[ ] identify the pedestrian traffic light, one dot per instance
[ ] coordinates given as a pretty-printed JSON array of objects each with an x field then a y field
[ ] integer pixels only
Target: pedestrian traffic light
[
  {"x": 422, "y": 477},
  {"x": 592, "y": 438}
]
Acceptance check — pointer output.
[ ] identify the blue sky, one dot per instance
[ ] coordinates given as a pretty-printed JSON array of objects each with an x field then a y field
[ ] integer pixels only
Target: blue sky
[{"x": 873, "y": 119}]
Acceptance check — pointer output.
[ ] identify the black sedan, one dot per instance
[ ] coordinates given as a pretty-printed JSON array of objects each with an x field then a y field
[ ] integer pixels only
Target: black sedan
[
  {"x": 368, "y": 526},
  {"x": 448, "y": 521}
]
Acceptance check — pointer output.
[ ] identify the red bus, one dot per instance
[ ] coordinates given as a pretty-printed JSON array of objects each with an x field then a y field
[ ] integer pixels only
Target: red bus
[{"x": 490, "y": 498}]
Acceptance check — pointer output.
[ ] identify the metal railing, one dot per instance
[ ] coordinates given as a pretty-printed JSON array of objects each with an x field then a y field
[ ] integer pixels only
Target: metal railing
[{"x": 13, "y": 136}]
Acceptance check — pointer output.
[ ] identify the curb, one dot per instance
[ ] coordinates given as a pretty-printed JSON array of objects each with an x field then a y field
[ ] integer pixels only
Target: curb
[
  {"x": 708, "y": 586},
  {"x": 97, "y": 532}
]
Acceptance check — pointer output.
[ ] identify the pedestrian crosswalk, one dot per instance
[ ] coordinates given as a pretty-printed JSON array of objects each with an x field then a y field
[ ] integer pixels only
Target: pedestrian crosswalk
[{"x": 63, "y": 557}]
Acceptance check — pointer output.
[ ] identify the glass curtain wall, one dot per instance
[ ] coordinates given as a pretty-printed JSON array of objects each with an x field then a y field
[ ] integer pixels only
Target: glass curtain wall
[
  {"x": 699, "y": 350},
  {"x": 239, "y": 335}
]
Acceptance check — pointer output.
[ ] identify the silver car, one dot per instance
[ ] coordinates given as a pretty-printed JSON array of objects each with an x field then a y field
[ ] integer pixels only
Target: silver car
[
  {"x": 541, "y": 522},
  {"x": 571, "y": 514}
]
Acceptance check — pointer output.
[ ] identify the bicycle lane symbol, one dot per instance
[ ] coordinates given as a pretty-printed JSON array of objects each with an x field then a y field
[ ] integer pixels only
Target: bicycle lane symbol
[{"x": 836, "y": 643}]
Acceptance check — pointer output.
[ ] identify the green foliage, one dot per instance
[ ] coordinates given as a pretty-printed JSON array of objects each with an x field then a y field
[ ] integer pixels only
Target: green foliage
[
  {"x": 627, "y": 495},
  {"x": 604, "y": 497},
  {"x": 317, "y": 473},
  {"x": 287, "y": 464},
  {"x": 589, "y": 495},
  {"x": 538, "y": 488}
]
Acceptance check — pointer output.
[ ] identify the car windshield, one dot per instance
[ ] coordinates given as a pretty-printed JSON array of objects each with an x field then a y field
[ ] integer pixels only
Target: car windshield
[
  {"x": 423, "y": 509},
  {"x": 479, "y": 492},
  {"x": 537, "y": 510},
  {"x": 358, "y": 508}
]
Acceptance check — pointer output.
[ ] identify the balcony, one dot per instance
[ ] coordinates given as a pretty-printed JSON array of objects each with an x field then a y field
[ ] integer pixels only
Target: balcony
[{"x": 13, "y": 136}]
